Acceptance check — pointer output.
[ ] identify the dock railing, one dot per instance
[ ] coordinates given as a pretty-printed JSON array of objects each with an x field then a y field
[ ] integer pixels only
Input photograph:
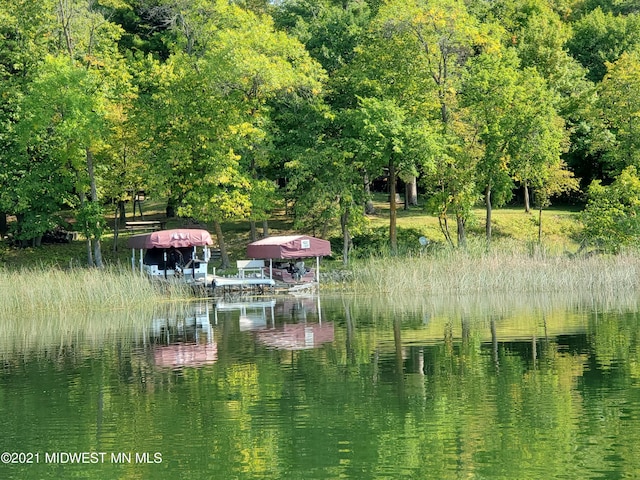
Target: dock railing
[{"x": 250, "y": 266}]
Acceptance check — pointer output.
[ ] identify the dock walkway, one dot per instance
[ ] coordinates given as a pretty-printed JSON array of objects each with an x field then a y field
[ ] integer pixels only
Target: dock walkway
[{"x": 238, "y": 283}]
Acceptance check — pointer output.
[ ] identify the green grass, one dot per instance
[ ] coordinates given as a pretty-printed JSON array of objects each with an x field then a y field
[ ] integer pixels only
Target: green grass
[
  {"x": 560, "y": 226},
  {"x": 31, "y": 291},
  {"x": 74, "y": 254},
  {"x": 560, "y": 229},
  {"x": 39, "y": 329},
  {"x": 509, "y": 268}
]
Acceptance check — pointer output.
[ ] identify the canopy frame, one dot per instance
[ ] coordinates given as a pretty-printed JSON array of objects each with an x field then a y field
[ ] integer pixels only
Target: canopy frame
[{"x": 290, "y": 247}]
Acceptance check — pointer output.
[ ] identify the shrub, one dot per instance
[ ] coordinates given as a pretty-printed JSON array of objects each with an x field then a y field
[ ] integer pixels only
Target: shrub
[
  {"x": 612, "y": 215},
  {"x": 374, "y": 242}
]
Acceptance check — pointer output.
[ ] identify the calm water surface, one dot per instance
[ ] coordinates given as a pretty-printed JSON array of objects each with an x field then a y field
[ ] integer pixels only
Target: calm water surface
[{"x": 302, "y": 387}]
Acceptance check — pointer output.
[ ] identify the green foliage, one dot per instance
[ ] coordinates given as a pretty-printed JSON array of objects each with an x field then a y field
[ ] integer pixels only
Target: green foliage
[
  {"x": 617, "y": 134},
  {"x": 66, "y": 87},
  {"x": 330, "y": 32},
  {"x": 612, "y": 215},
  {"x": 374, "y": 242},
  {"x": 64, "y": 103},
  {"x": 91, "y": 220},
  {"x": 32, "y": 225},
  {"x": 232, "y": 99},
  {"x": 490, "y": 93},
  {"x": 207, "y": 119},
  {"x": 385, "y": 133},
  {"x": 601, "y": 37}
]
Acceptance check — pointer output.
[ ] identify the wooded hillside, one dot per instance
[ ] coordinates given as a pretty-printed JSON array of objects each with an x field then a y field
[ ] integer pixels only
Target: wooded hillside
[{"x": 229, "y": 108}]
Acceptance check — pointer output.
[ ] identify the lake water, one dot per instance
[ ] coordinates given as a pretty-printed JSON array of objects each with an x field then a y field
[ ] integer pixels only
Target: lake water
[{"x": 326, "y": 388}]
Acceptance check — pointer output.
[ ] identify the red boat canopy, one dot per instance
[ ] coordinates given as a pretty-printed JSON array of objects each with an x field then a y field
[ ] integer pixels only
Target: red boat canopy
[
  {"x": 178, "y": 238},
  {"x": 290, "y": 246}
]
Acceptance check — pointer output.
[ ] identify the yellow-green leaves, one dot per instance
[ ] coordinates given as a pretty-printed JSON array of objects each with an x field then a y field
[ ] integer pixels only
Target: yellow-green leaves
[
  {"x": 210, "y": 106},
  {"x": 618, "y": 112},
  {"x": 612, "y": 215}
]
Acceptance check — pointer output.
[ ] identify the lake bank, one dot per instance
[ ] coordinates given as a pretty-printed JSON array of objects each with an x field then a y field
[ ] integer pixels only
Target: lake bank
[
  {"x": 446, "y": 273},
  {"x": 30, "y": 290},
  {"x": 500, "y": 271}
]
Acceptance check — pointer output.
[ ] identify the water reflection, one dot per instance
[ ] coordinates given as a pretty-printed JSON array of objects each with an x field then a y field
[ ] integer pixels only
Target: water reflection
[
  {"x": 297, "y": 336},
  {"x": 299, "y": 323},
  {"x": 185, "y": 340},
  {"x": 422, "y": 319},
  {"x": 189, "y": 337},
  {"x": 338, "y": 387},
  {"x": 254, "y": 314}
]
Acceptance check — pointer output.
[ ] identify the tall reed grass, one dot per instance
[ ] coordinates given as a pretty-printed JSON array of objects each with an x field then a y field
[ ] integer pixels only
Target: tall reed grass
[
  {"x": 503, "y": 271},
  {"x": 57, "y": 292}
]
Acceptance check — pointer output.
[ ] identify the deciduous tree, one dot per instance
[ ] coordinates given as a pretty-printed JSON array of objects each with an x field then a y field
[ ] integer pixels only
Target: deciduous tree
[
  {"x": 617, "y": 112},
  {"x": 611, "y": 216}
]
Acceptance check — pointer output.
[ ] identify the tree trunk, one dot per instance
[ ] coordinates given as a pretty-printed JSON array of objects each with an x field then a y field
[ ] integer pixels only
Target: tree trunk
[
  {"x": 171, "y": 208},
  {"x": 265, "y": 228},
  {"x": 120, "y": 218},
  {"x": 462, "y": 236},
  {"x": 65, "y": 19},
  {"x": 350, "y": 334},
  {"x": 368, "y": 206},
  {"x": 326, "y": 225},
  {"x": 97, "y": 253},
  {"x": 89, "y": 246},
  {"x": 3, "y": 224},
  {"x": 116, "y": 229},
  {"x": 405, "y": 202},
  {"x": 494, "y": 344},
  {"x": 412, "y": 191},
  {"x": 137, "y": 203},
  {"x": 224, "y": 256},
  {"x": 399, "y": 370},
  {"x": 444, "y": 228},
  {"x": 487, "y": 199},
  {"x": 527, "y": 203},
  {"x": 393, "y": 234},
  {"x": 89, "y": 253},
  {"x": 97, "y": 250},
  {"x": 540, "y": 224},
  {"x": 122, "y": 211},
  {"x": 253, "y": 236},
  {"x": 346, "y": 238}
]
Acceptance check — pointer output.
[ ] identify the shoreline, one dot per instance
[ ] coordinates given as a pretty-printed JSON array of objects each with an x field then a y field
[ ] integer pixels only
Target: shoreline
[{"x": 446, "y": 274}]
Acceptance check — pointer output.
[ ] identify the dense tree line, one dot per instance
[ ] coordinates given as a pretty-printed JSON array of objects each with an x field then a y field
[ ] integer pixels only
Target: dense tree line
[{"x": 228, "y": 107}]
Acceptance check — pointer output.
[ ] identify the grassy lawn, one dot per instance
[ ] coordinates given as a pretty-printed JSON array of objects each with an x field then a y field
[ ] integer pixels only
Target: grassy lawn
[{"x": 560, "y": 225}]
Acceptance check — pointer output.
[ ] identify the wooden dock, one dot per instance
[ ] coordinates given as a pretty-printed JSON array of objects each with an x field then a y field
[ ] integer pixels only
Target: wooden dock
[{"x": 228, "y": 284}]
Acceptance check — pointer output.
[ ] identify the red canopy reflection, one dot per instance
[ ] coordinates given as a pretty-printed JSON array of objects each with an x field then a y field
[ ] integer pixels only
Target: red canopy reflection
[
  {"x": 299, "y": 336},
  {"x": 186, "y": 355}
]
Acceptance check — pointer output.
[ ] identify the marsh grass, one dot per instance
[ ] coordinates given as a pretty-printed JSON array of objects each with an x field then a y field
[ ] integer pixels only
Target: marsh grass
[
  {"x": 51, "y": 310},
  {"x": 57, "y": 292},
  {"x": 510, "y": 269}
]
